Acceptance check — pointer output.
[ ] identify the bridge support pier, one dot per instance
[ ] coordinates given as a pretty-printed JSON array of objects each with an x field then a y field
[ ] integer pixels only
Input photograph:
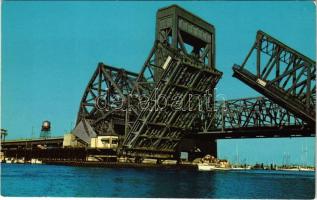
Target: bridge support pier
[{"x": 198, "y": 148}]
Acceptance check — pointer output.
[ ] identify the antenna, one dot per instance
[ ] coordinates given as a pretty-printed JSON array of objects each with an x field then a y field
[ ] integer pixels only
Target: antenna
[
  {"x": 237, "y": 153},
  {"x": 32, "y": 132},
  {"x": 302, "y": 155},
  {"x": 305, "y": 154}
]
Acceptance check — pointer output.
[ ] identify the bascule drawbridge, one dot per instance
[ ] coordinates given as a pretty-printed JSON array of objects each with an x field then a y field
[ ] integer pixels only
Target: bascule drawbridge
[{"x": 180, "y": 66}]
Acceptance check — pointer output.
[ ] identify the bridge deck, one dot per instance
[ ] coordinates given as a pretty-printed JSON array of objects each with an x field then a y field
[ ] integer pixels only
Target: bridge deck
[{"x": 31, "y": 143}]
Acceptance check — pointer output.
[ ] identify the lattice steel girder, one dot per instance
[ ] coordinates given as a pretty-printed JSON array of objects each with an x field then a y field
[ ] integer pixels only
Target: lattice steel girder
[
  {"x": 148, "y": 78},
  {"x": 254, "y": 114},
  {"x": 145, "y": 82},
  {"x": 161, "y": 129},
  {"x": 256, "y": 117},
  {"x": 255, "y": 132},
  {"x": 282, "y": 74},
  {"x": 104, "y": 99}
]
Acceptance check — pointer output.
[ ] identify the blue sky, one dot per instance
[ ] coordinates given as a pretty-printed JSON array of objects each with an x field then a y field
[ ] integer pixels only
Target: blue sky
[{"x": 50, "y": 50}]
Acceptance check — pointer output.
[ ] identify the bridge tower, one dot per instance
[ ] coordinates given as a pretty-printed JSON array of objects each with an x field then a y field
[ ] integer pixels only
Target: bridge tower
[
  {"x": 187, "y": 32},
  {"x": 191, "y": 35}
]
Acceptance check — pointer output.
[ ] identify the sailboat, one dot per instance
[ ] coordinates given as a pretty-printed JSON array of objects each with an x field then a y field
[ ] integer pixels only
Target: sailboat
[
  {"x": 304, "y": 159},
  {"x": 238, "y": 166}
]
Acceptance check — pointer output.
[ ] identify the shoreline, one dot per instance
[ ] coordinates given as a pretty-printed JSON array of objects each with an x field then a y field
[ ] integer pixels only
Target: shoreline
[
  {"x": 120, "y": 164},
  {"x": 123, "y": 165}
]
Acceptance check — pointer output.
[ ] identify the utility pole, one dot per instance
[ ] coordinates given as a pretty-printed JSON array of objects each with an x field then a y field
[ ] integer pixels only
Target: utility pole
[
  {"x": 237, "y": 154},
  {"x": 71, "y": 127}
]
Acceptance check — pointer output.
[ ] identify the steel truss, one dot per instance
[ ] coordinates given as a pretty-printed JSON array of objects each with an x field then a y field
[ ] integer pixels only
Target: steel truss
[
  {"x": 255, "y": 117},
  {"x": 159, "y": 130},
  {"x": 103, "y": 104},
  {"x": 282, "y": 74}
]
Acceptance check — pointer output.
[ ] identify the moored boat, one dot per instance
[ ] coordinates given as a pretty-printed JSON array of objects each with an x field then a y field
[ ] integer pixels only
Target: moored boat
[
  {"x": 210, "y": 167},
  {"x": 205, "y": 167}
]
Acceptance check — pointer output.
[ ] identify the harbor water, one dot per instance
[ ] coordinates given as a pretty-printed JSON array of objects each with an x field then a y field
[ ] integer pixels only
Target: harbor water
[{"x": 66, "y": 181}]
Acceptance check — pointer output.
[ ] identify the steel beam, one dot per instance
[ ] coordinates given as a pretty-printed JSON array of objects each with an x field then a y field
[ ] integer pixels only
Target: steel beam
[
  {"x": 282, "y": 74},
  {"x": 157, "y": 129},
  {"x": 104, "y": 100},
  {"x": 255, "y": 117}
]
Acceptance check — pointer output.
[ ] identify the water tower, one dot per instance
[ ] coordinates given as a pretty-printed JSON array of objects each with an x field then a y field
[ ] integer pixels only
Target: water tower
[{"x": 46, "y": 129}]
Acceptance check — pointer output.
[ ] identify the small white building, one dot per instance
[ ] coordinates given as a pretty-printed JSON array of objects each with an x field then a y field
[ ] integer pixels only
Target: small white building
[{"x": 105, "y": 142}]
